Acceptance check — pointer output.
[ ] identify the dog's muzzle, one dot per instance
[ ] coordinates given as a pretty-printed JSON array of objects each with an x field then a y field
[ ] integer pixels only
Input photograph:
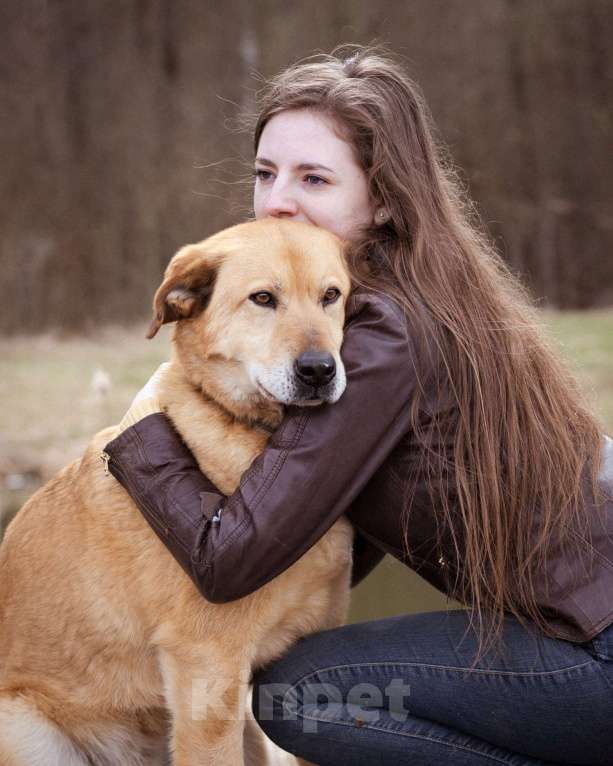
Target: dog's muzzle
[{"x": 312, "y": 378}]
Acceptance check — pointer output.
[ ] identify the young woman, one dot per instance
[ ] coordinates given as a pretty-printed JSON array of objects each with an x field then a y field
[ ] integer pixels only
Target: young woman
[{"x": 460, "y": 446}]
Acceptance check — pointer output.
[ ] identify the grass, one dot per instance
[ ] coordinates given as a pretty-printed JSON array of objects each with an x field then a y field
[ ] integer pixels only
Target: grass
[
  {"x": 60, "y": 391},
  {"x": 56, "y": 392},
  {"x": 586, "y": 341}
]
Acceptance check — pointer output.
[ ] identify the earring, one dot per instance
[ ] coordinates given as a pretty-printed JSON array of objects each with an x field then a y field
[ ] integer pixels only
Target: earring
[{"x": 381, "y": 215}]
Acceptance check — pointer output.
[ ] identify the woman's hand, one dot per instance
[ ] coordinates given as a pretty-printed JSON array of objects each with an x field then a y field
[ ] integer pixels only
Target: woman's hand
[{"x": 146, "y": 402}]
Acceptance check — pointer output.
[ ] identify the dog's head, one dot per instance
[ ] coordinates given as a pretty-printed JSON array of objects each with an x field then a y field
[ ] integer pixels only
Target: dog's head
[{"x": 259, "y": 310}]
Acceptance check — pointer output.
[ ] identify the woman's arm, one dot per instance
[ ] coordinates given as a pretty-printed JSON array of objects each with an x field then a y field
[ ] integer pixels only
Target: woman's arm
[{"x": 314, "y": 465}]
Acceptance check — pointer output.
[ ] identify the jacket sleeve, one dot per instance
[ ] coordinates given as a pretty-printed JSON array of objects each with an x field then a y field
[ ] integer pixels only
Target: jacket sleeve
[{"x": 313, "y": 467}]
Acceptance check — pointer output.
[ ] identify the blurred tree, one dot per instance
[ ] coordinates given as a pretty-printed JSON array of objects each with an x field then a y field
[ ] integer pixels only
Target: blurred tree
[{"x": 116, "y": 146}]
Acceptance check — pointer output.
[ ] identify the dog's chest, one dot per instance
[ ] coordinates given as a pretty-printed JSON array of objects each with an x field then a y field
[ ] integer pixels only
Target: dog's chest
[
  {"x": 223, "y": 447},
  {"x": 309, "y": 596}
]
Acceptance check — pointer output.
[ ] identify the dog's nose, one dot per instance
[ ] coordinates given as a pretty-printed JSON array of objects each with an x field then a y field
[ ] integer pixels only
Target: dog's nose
[{"x": 315, "y": 368}]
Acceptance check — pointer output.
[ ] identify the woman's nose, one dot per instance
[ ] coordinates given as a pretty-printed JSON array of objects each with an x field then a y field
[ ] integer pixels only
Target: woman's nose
[{"x": 281, "y": 203}]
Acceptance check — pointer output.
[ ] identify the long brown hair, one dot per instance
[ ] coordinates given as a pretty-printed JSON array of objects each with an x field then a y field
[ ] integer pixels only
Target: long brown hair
[{"x": 506, "y": 462}]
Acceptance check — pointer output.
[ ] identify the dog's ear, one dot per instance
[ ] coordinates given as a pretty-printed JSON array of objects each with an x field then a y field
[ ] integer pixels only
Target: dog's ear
[{"x": 186, "y": 289}]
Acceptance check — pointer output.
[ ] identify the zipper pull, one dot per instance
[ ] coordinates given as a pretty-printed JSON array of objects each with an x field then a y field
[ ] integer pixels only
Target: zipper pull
[{"x": 105, "y": 457}]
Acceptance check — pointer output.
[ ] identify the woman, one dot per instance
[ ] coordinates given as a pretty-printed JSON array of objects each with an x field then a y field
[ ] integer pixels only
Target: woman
[{"x": 460, "y": 446}]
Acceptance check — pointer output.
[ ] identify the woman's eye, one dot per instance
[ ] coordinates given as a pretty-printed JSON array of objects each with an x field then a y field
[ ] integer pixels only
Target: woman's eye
[
  {"x": 315, "y": 180},
  {"x": 263, "y": 298},
  {"x": 332, "y": 294},
  {"x": 262, "y": 175}
]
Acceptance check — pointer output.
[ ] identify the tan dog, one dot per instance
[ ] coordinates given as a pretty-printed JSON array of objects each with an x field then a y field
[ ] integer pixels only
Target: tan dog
[{"x": 105, "y": 643}]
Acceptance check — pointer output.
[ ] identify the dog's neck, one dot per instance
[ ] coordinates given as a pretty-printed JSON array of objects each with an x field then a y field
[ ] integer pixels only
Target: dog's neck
[
  {"x": 267, "y": 425},
  {"x": 223, "y": 441},
  {"x": 223, "y": 385}
]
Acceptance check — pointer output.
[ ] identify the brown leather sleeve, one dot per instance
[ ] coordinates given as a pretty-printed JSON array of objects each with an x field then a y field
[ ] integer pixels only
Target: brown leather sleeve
[{"x": 315, "y": 464}]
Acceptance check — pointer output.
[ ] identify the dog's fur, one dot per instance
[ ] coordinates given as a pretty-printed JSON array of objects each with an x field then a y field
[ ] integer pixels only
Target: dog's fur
[{"x": 107, "y": 650}]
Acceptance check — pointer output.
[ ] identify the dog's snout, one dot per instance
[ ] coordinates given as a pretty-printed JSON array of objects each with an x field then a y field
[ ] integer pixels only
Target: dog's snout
[{"x": 315, "y": 368}]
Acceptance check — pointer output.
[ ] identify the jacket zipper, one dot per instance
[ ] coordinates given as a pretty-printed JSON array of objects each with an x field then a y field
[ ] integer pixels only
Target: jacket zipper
[{"x": 154, "y": 518}]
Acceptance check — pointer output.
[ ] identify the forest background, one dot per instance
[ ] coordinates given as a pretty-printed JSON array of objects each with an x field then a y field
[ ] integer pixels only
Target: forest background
[{"x": 119, "y": 144}]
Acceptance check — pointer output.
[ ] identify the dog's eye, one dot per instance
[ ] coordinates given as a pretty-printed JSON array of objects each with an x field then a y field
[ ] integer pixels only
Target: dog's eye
[
  {"x": 332, "y": 294},
  {"x": 263, "y": 298}
]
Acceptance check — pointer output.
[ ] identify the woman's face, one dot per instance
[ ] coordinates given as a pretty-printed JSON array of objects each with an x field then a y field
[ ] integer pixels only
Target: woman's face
[{"x": 305, "y": 172}]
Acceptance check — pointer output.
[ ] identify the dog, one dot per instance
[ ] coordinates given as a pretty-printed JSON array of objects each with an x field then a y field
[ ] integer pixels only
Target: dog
[{"x": 107, "y": 650}]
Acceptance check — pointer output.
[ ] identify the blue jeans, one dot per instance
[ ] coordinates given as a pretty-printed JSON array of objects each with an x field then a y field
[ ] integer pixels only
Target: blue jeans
[{"x": 400, "y": 691}]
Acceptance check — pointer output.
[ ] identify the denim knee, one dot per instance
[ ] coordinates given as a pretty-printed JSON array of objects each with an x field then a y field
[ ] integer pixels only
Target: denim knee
[{"x": 274, "y": 708}]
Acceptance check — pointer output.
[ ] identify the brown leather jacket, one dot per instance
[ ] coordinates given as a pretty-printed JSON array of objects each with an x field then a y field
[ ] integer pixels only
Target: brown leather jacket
[{"x": 349, "y": 457}]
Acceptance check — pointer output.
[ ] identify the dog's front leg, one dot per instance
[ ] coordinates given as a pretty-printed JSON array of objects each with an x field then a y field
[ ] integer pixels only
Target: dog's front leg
[{"x": 206, "y": 692}]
